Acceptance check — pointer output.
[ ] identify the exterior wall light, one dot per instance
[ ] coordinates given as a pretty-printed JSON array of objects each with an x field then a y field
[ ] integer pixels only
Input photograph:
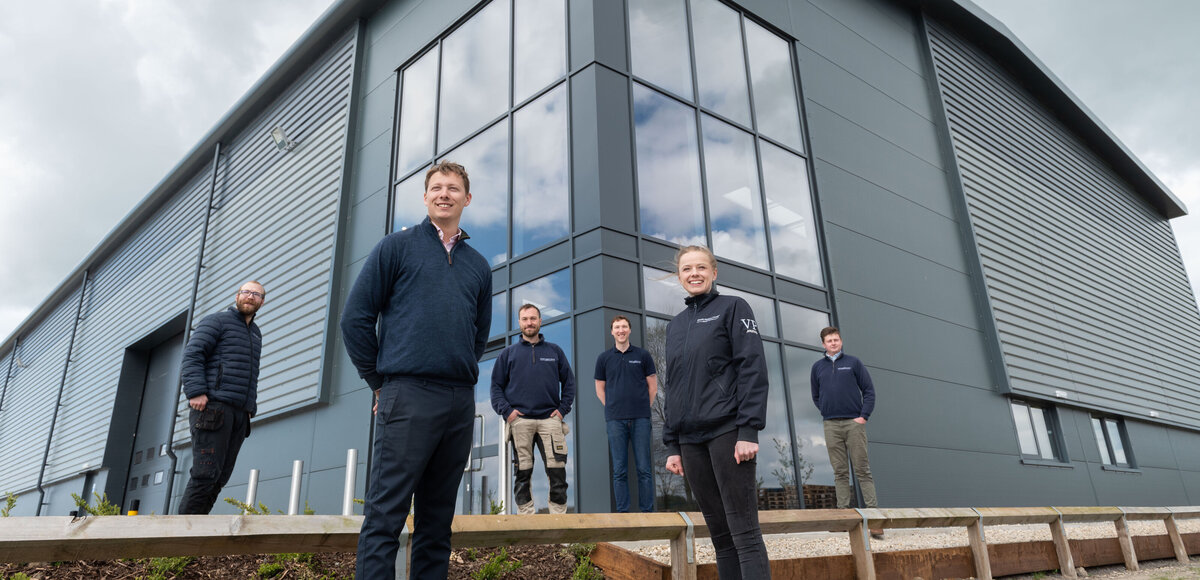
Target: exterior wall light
[{"x": 281, "y": 139}]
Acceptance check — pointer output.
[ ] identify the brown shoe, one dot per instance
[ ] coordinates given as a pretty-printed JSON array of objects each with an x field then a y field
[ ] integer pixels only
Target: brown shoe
[{"x": 877, "y": 534}]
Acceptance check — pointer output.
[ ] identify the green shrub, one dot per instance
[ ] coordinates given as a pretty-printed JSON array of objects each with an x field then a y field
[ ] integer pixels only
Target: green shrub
[
  {"x": 261, "y": 510},
  {"x": 10, "y": 501},
  {"x": 270, "y": 570},
  {"x": 586, "y": 571},
  {"x": 497, "y": 567},
  {"x": 166, "y": 568},
  {"x": 579, "y": 551},
  {"x": 102, "y": 507}
]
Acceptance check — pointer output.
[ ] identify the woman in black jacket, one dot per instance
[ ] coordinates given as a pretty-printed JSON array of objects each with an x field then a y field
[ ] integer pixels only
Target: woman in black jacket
[{"x": 716, "y": 403}]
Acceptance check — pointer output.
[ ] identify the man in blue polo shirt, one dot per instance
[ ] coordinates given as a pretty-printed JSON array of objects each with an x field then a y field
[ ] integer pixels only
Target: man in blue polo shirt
[
  {"x": 626, "y": 384},
  {"x": 533, "y": 389},
  {"x": 843, "y": 391}
]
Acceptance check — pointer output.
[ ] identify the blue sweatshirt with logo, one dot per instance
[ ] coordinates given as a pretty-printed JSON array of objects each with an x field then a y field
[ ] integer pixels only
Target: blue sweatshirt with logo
[
  {"x": 433, "y": 309},
  {"x": 527, "y": 377},
  {"x": 842, "y": 389}
]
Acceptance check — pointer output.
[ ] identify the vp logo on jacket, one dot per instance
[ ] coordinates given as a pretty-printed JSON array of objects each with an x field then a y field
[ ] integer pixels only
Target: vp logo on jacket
[{"x": 750, "y": 325}]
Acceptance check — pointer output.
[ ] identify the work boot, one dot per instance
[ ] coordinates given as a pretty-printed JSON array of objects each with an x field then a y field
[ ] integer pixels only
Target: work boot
[
  {"x": 558, "y": 508},
  {"x": 526, "y": 509}
]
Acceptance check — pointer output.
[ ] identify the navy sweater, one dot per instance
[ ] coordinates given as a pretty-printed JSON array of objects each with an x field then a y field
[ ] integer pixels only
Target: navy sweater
[
  {"x": 221, "y": 360},
  {"x": 433, "y": 308},
  {"x": 527, "y": 378},
  {"x": 716, "y": 372},
  {"x": 842, "y": 389}
]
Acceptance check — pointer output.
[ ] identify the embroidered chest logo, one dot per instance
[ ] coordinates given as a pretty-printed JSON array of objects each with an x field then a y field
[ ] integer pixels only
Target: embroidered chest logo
[
  {"x": 751, "y": 325},
  {"x": 544, "y": 359},
  {"x": 709, "y": 319}
]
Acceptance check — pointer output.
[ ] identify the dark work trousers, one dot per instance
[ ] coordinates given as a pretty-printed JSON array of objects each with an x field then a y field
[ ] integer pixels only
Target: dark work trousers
[
  {"x": 726, "y": 493},
  {"x": 422, "y": 441},
  {"x": 217, "y": 435}
]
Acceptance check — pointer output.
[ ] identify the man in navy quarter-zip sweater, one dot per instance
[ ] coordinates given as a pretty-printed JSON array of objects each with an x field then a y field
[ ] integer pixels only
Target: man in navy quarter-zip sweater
[
  {"x": 843, "y": 391},
  {"x": 430, "y": 293},
  {"x": 533, "y": 389}
]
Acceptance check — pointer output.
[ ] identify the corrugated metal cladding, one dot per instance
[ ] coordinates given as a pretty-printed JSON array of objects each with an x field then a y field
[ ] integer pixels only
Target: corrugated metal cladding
[
  {"x": 1088, "y": 290},
  {"x": 275, "y": 221}
]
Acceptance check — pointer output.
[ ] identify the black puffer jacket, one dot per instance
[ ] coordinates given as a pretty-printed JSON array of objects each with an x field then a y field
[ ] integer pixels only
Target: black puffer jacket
[
  {"x": 221, "y": 360},
  {"x": 716, "y": 372}
]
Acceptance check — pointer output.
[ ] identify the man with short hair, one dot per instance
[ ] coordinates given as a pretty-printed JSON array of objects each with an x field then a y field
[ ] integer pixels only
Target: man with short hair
[
  {"x": 843, "y": 391},
  {"x": 220, "y": 381},
  {"x": 430, "y": 293},
  {"x": 533, "y": 389},
  {"x": 626, "y": 383}
]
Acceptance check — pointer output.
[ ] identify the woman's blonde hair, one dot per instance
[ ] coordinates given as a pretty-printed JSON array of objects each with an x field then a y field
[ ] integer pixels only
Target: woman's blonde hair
[{"x": 712, "y": 260}]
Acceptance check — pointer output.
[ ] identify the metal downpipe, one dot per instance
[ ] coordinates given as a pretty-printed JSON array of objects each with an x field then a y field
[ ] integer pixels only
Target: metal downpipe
[
  {"x": 187, "y": 328},
  {"x": 62, "y": 384}
]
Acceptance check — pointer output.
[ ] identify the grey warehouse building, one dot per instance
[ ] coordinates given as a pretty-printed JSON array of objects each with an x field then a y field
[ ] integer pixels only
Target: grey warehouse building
[{"x": 904, "y": 169}]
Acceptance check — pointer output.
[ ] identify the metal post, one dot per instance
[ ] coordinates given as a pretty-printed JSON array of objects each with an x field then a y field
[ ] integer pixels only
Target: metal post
[
  {"x": 252, "y": 489},
  {"x": 351, "y": 480},
  {"x": 294, "y": 499},
  {"x": 505, "y": 475},
  {"x": 62, "y": 385}
]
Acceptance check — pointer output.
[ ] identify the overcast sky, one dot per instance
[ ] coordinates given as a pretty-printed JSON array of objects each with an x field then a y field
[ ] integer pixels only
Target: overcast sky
[{"x": 98, "y": 100}]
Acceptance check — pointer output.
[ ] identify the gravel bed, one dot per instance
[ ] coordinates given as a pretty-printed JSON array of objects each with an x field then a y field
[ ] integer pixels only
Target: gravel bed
[{"x": 807, "y": 545}]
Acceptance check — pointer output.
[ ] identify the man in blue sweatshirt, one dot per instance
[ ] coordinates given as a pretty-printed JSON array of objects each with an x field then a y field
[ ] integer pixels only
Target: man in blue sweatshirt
[
  {"x": 533, "y": 389},
  {"x": 842, "y": 390},
  {"x": 430, "y": 294}
]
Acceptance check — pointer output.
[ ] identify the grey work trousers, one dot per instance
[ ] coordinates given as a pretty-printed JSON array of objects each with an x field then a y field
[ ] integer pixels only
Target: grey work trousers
[{"x": 846, "y": 442}]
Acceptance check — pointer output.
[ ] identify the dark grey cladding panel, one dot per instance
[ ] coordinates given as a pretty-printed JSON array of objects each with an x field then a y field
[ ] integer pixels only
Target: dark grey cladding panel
[
  {"x": 1151, "y": 445},
  {"x": 912, "y": 476},
  {"x": 377, "y": 113},
  {"x": 1186, "y": 447},
  {"x": 893, "y": 219},
  {"x": 967, "y": 418},
  {"x": 1076, "y": 264},
  {"x": 908, "y": 342},
  {"x": 901, "y": 279},
  {"x": 890, "y": 26},
  {"x": 1151, "y": 486}
]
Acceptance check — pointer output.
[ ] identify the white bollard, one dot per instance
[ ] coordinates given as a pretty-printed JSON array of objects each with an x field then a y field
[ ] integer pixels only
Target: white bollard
[
  {"x": 294, "y": 500},
  {"x": 351, "y": 479},
  {"x": 252, "y": 489}
]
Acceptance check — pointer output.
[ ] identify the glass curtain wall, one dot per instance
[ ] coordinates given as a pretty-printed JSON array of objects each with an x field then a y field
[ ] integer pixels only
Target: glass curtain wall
[
  {"x": 721, "y": 162},
  {"x": 491, "y": 94}
]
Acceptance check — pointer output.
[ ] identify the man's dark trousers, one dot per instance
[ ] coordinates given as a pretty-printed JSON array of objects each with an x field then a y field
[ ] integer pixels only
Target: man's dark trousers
[
  {"x": 217, "y": 435},
  {"x": 422, "y": 441}
]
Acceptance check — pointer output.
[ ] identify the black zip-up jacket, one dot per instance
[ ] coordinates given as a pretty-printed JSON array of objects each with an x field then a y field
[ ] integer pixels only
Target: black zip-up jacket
[
  {"x": 221, "y": 360},
  {"x": 716, "y": 373}
]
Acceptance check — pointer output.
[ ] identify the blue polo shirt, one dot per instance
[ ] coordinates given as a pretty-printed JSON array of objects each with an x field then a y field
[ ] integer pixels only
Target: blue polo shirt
[{"x": 626, "y": 393}]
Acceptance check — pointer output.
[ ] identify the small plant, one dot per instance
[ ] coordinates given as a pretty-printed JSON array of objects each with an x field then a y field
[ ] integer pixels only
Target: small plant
[
  {"x": 270, "y": 569},
  {"x": 10, "y": 501},
  {"x": 360, "y": 501},
  {"x": 579, "y": 551},
  {"x": 305, "y": 558},
  {"x": 495, "y": 507},
  {"x": 497, "y": 567},
  {"x": 19, "y": 575},
  {"x": 165, "y": 568},
  {"x": 472, "y": 554},
  {"x": 102, "y": 507},
  {"x": 586, "y": 571},
  {"x": 261, "y": 510}
]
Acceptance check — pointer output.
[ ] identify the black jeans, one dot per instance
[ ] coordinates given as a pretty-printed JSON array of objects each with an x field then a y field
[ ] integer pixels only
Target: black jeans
[
  {"x": 726, "y": 493},
  {"x": 217, "y": 435},
  {"x": 422, "y": 442}
]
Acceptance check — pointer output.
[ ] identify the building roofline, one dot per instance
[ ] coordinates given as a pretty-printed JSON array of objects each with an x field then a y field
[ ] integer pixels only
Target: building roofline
[{"x": 998, "y": 41}]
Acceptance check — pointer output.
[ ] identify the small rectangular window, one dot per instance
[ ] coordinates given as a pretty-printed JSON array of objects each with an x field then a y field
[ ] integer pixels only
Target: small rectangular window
[
  {"x": 1112, "y": 440},
  {"x": 1037, "y": 431}
]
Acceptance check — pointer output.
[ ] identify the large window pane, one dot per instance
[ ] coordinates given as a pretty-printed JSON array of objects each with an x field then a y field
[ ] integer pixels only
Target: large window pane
[
  {"x": 1024, "y": 430},
  {"x": 658, "y": 44},
  {"x": 1041, "y": 430},
  {"x": 734, "y": 199},
  {"x": 540, "y": 161},
  {"x": 674, "y": 494},
  {"x": 409, "y": 203},
  {"x": 486, "y": 219},
  {"x": 790, "y": 211},
  {"x": 720, "y": 60},
  {"x": 816, "y": 475},
  {"x": 763, "y": 307},
  {"x": 662, "y": 291},
  {"x": 1101, "y": 444},
  {"x": 668, "y": 168},
  {"x": 418, "y": 99},
  {"x": 539, "y": 46},
  {"x": 551, "y": 294},
  {"x": 801, "y": 324},
  {"x": 1114, "y": 439},
  {"x": 776, "y": 464},
  {"x": 474, "y": 74},
  {"x": 775, "y": 104}
]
